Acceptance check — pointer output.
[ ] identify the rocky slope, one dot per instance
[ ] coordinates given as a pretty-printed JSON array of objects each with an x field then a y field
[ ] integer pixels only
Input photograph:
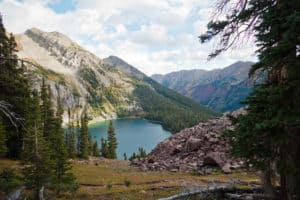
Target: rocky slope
[
  {"x": 106, "y": 88},
  {"x": 200, "y": 149},
  {"x": 81, "y": 78},
  {"x": 219, "y": 89}
]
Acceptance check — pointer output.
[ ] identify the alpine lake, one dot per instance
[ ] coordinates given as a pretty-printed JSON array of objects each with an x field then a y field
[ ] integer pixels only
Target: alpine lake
[{"x": 131, "y": 134}]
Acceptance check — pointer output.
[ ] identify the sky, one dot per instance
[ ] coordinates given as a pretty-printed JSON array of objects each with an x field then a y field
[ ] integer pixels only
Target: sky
[{"x": 155, "y": 36}]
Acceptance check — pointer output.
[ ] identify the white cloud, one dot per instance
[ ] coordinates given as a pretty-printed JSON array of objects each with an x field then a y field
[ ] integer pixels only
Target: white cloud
[{"x": 156, "y": 36}]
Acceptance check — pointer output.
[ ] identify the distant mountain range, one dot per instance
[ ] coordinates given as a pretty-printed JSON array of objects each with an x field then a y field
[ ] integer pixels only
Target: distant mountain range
[
  {"x": 219, "y": 89},
  {"x": 106, "y": 88}
]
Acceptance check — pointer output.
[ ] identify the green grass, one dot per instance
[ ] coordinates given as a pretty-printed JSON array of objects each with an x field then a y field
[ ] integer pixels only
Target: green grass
[
  {"x": 144, "y": 185},
  {"x": 51, "y": 75}
]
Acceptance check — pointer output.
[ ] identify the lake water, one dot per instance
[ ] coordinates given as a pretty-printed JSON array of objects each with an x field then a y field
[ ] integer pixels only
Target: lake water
[{"x": 131, "y": 134}]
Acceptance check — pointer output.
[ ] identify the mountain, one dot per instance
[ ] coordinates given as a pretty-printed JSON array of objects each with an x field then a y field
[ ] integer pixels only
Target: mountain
[
  {"x": 105, "y": 88},
  {"x": 124, "y": 66},
  {"x": 219, "y": 89}
]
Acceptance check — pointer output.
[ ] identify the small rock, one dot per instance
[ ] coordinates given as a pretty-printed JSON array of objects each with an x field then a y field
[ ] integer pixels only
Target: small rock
[
  {"x": 174, "y": 170},
  {"x": 226, "y": 168}
]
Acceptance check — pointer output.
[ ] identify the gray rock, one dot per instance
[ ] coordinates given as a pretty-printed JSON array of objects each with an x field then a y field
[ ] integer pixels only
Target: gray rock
[
  {"x": 193, "y": 144},
  {"x": 226, "y": 168}
]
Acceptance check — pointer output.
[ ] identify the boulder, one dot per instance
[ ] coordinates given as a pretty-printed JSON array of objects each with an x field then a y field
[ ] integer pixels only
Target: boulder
[
  {"x": 193, "y": 144},
  {"x": 214, "y": 158},
  {"x": 226, "y": 168}
]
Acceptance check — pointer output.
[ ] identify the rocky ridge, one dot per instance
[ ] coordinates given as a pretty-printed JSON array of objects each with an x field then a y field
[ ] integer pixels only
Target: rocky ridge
[
  {"x": 219, "y": 89},
  {"x": 200, "y": 149}
]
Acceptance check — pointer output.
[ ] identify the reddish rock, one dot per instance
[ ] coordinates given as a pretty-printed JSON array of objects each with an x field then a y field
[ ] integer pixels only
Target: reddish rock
[{"x": 194, "y": 149}]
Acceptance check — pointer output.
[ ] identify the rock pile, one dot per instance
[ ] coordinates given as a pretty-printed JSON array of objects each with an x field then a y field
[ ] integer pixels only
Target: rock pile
[{"x": 200, "y": 149}]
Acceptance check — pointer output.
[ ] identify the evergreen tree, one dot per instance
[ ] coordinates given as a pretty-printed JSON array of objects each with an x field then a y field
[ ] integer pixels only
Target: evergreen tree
[
  {"x": 71, "y": 137},
  {"x": 90, "y": 144},
  {"x": 14, "y": 89},
  {"x": 63, "y": 179},
  {"x": 133, "y": 156},
  {"x": 111, "y": 141},
  {"x": 96, "y": 151},
  {"x": 142, "y": 153},
  {"x": 78, "y": 135},
  {"x": 104, "y": 148},
  {"x": 3, "y": 140},
  {"x": 125, "y": 156},
  {"x": 84, "y": 137},
  {"x": 36, "y": 153},
  {"x": 269, "y": 132},
  {"x": 48, "y": 115}
]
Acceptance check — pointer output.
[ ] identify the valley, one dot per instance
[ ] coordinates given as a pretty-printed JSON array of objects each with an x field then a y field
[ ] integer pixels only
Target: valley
[{"x": 154, "y": 100}]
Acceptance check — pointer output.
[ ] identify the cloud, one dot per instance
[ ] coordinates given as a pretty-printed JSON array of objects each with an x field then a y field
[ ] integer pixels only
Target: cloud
[{"x": 155, "y": 36}]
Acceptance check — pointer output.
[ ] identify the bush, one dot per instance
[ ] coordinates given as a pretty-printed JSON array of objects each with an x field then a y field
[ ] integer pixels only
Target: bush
[
  {"x": 9, "y": 180},
  {"x": 127, "y": 182},
  {"x": 109, "y": 186}
]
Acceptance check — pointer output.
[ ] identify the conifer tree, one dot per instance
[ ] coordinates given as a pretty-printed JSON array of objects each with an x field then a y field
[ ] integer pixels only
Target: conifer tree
[
  {"x": 36, "y": 153},
  {"x": 269, "y": 132},
  {"x": 71, "y": 137},
  {"x": 104, "y": 148},
  {"x": 3, "y": 140},
  {"x": 63, "y": 179},
  {"x": 78, "y": 135},
  {"x": 48, "y": 115},
  {"x": 96, "y": 151},
  {"x": 125, "y": 156},
  {"x": 111, "y": 141},
  {"x": 84, "y": 137},
  {"x": 14, "y": 89},
  {"x": 90, "y": 144}
]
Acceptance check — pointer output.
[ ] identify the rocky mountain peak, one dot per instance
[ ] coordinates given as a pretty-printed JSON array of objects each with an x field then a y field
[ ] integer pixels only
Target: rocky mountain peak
[
  {"x": 123, "y": 66},
  {"x": 59, "y": 47},
  {"x": 50, "y": 37}
]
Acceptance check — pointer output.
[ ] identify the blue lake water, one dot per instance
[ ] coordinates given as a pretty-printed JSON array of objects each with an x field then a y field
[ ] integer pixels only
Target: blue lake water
[{"x": 131, "y": 134}]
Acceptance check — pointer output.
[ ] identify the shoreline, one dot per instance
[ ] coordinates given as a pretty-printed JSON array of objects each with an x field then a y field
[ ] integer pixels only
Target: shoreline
[{"x": 95, "y": 121}]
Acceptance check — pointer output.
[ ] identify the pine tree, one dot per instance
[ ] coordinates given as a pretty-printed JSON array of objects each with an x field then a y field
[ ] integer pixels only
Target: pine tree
[
  {"x": 273, "y": 112},
  {"x": 111, "y": 141},
  {"x": 63, "y": 179},
  {"x": 125, "y": 156},
  {"x": 36, "y": 153},
  {"x": 48, "y": 115},
  {"x": 104, "y": 148},
  {"x": 96, "y": 151},
  {"x": 90, "y": 144},
  {"x": 3, "y": 140},
  {"x": 84, "y": 137},
  {"x": 14, "y": 89},
  {"x": 78, "y": 135},
  {"x": 71, "y": 137}
]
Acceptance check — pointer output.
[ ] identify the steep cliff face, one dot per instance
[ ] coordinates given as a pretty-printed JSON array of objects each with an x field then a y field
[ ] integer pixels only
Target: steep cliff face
[
  {"x": 81, "y": 79},
  {"x": 219, "y": 89}
]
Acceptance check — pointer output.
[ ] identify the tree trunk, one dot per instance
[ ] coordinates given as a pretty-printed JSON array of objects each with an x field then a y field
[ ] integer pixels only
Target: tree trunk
[{"x": 293, "y": 170}]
